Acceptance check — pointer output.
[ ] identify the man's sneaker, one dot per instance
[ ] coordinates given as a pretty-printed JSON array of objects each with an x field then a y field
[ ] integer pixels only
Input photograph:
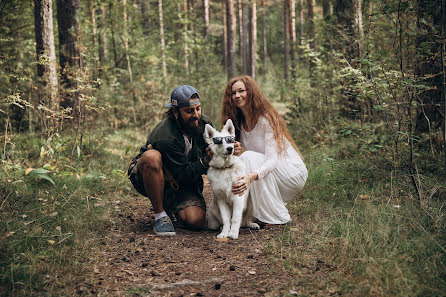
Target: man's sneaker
[{"x": 164, "y": 227}]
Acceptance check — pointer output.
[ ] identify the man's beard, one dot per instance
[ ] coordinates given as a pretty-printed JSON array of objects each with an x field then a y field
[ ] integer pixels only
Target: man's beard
[{"x": 189, "y": 129}]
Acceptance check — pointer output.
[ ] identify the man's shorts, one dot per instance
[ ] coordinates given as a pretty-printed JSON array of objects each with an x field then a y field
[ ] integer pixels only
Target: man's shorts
[{"x": 174, "y": 200}]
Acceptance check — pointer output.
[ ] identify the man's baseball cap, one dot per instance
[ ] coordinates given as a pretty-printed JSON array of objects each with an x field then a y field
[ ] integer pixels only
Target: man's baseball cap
[{"x": 180, "y": 96}]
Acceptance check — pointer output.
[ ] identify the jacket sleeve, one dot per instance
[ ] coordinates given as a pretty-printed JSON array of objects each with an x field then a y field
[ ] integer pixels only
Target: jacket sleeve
[{"x": 184, "y": 171}]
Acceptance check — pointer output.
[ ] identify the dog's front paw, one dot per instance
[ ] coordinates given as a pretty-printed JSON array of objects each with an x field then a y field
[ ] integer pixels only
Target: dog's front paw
[
  {"x": 222, "y": 235},
  {"x": 233, "y": 235},
  {"x": 254, "y": 226}
]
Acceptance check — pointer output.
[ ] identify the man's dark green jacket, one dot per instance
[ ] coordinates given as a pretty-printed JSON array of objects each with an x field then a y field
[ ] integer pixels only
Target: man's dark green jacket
[{"x": 168, "y": 139}]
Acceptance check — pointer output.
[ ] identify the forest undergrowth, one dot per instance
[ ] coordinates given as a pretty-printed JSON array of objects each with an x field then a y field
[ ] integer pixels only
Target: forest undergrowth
[{"x": 355, "y": 214}]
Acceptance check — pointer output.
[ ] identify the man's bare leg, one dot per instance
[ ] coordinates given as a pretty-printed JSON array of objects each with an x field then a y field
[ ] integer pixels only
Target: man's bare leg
[
  {"x": 150, "y": 165},
  {"x": 193, "y": 216}
]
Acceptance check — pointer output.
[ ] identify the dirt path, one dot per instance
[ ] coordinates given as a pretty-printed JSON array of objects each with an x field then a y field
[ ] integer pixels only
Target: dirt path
[{"x": 132, "y": 261}]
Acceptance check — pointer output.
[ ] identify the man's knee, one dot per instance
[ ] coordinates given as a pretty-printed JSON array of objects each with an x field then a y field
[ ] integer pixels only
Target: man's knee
[
  {"x": 193, "y": 216},
  {"x": 150, "y": 160}
]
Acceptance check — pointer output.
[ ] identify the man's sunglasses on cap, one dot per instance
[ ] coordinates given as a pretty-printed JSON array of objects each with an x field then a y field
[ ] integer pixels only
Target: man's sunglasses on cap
[{"x": 219, "y": 140}]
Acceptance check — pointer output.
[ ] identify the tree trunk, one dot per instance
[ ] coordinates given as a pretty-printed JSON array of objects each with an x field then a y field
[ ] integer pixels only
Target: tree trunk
[
  {"x": 253, "y": 39},
  {"x": 326, "y": 8},
  {"x": 185, "y": 33},
  {"x": 45, "y": 51},
  {"x": 245, "y": 39},
  {"x": 102, "y": 37},
  {"x": 69, "y": 55},
  {"x": 359, "y": 30},
  {"x": 286, "y": 66},
  {"x": 162, "y": 41},
  {"x": 240, "y": 27},
  {"x": 92, "y": 14},
  {"x": 225, "y": 38},
  {"x": 265, "y": 47},
  {"x": 429, "y": 68},
  {"x": 206, "y": 17},
  {"x": 231, "y": 25},
  {"x": 292, "y": 34},
  {"x": 126, "y": 39},
  {"x": 145, "y": 12}
]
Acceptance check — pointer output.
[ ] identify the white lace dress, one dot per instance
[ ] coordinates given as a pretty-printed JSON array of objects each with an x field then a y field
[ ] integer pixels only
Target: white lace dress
[{"x": 280, "y": 177}]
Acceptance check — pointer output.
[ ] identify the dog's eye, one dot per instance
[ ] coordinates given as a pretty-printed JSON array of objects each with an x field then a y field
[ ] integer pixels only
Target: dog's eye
[{"x": 217, "y": 140}]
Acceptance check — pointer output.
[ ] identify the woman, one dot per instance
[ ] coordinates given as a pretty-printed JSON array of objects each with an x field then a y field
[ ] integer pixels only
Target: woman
[{"x": 276, "y": 171}]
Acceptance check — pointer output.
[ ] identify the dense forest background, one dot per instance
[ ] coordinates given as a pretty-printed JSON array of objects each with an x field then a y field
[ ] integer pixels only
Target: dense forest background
[{"x": 356, "y": 80}]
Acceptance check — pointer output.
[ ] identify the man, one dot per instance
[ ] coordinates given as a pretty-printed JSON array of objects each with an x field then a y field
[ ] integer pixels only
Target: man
[{"x": 169, "y": 166}]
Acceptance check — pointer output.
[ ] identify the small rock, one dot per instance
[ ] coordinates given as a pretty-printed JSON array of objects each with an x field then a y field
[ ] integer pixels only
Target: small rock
[
  {"x": 250, "y": 256},
  {"x": 154, "y": 273},
  {"x": 217, "y": 286},
  {"x": 144, "y": 264},
  {"x": 232, "y": 267},
  {"x": 199, "y": 294}
]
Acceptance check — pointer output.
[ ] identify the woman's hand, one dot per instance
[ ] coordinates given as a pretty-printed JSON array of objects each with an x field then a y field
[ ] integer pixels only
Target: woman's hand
[
  {"x": 238, "y": 149},
  {"x": 243, "y": 184}
]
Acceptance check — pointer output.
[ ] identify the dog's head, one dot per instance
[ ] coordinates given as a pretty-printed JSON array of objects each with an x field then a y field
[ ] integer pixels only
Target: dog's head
[{"x": 221, "y": 143}]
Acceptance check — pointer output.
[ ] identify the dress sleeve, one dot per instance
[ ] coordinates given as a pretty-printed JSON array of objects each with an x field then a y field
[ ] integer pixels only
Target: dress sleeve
[{"x": 271, "y": 149}]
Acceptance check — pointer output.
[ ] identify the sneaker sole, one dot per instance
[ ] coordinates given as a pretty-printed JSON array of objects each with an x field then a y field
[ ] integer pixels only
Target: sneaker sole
[{"x": 165, "y": 233}]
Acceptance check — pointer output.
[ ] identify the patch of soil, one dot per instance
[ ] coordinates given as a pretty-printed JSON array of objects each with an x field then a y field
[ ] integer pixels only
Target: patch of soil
[{"x": 133, "y": 261}]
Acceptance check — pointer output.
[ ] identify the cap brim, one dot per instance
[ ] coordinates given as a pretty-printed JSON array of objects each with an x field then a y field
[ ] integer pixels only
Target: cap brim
[{"x": 168, "y": 105}]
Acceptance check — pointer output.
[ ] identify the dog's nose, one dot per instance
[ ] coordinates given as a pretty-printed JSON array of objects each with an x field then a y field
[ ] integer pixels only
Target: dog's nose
[{"x": 230, "y": 149}]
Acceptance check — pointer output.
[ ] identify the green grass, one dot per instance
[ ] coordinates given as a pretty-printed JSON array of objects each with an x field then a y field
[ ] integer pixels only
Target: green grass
[
  {"x": 366, "y": 228},
  {"x": 47, "y": 230}
]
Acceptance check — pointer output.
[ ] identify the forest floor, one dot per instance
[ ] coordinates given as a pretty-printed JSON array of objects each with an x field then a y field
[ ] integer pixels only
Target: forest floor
[{"x": 133, "y": 261}]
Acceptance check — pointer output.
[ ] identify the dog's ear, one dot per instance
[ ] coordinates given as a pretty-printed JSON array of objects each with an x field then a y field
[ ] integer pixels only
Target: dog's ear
[
  {"x": 209, "y": 132},
  {"x": 229, "y": 126}
]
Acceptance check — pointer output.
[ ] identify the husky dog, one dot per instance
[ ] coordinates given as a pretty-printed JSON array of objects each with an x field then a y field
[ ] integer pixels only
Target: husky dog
[{"x": 227, "y": 209}]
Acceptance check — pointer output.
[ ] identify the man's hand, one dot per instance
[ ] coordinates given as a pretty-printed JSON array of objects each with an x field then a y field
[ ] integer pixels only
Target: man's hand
[
  {"x": 238, "y": 149},
  {"x": 209, "y": 155}
]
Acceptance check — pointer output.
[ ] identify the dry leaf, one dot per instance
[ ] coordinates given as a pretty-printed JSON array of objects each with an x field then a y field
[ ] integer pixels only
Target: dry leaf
[
  {"x": 10, "y": 233},
  {"x": 53, "y": 214},
  {"x": 58, "y": 228},
  {"x": 364, "y": 197},
  {"x": 252, "y": 272},
  {"x": 27, "y": 171},
  {"x": 221, "y": 239},
  {"x": 52, "y": 242},
  {"x": 23, "y": 216}
]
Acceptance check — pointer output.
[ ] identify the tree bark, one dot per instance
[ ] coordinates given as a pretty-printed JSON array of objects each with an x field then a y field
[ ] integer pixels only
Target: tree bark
[
  {"x": 206, "y": 17},
  {"x": 245, "y": 39},
  {"x": 92, "y": 14},
  {"x": 162, "y": 41},
  {"x": 231, "y": 26},
  {"x": 126, "y": 39},
  {"x": 225, "y": 38},
  {"x": 292, "y": 34},
  {"x": 253, "y": 40},
  {"x": 240, "y": 27},
  {"x": 265, "y": 45},
  {"x": 326, "y": 8},
  {"x": 145, "y": 10},
  {"x": 185, "y": 33},
  {"x": 69, "y": 55},
  {"x": 286, "y": 66},
  {"x": 102, "y": 37},
  {"x": 45, "y": 51}
]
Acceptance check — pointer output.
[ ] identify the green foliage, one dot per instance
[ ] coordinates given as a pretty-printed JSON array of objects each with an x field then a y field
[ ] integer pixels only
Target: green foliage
[
  {"x": 53, "y": 215},
  {"x": 363, "y": 222}
]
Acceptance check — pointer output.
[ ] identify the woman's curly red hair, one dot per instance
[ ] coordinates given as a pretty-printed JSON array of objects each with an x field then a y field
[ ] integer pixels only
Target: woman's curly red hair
[{"x": 258, "y": 105}]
